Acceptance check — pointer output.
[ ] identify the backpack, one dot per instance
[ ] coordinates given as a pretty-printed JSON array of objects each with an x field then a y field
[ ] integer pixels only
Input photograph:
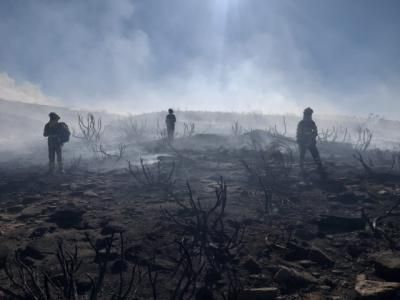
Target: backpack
[{"x": 64, "y": 133}]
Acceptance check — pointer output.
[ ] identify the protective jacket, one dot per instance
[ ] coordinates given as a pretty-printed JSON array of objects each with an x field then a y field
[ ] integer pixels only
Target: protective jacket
[
  {"x": 170, "y": 120},
  {"x": 307, "y": 132}
]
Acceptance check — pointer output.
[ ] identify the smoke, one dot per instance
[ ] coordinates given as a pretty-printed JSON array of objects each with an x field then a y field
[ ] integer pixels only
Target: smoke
[
  {"x": 22, "y": 92},
  {"x": 232, "y": 55}
]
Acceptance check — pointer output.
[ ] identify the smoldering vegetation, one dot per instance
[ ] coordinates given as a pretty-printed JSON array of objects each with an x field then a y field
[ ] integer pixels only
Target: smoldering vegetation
[{"x": 221, "y": 213}]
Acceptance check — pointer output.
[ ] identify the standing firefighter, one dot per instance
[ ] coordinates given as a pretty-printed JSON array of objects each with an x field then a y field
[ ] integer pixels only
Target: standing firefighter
[
  {"x": 170, "y": 121},
  {"x": 57, "y": 134},
  {"x": 307, "y": 133}
]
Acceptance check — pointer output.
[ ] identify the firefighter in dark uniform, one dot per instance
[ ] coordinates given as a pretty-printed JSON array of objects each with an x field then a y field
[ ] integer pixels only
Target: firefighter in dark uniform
[
  {"x": 307, "y": 133},
  {"x": 170, "y": 121},
  {"x": 52, "y": 130}
]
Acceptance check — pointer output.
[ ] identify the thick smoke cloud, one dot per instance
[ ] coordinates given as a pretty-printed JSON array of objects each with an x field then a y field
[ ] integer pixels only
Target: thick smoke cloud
[
  {"x": 23, "y": 92},
  {"x": 236, "y": 55}
]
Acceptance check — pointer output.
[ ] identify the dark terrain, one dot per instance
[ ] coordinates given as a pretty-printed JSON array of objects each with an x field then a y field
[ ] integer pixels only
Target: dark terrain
[{"x": 205, "y": 223}]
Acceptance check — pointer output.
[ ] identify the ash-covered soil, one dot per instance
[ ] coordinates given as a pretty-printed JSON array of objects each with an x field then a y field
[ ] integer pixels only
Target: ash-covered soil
[{"x": 202, "y": 224}]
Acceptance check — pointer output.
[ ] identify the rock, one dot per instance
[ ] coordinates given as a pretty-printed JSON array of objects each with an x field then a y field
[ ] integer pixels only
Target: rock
[
  {"x": 336, "y": 224},
  {"x": 306, "y": 263},
  {"x": 325, "y": 288},
  {"x": 67, "y": 217},
  {"x": 251, "y": 266},
  {"x": 313, "y": 296},
  {"x": 39, "y": 232},
  {"x": 90, "y": 194},
  {"x": 265, "y": 293},
  {"x": 387, "y": 265},
  {"x": 370, "y": 289},
  {"x": 383, "y": 193},
  {"x": 337, "y": 272},
  {"x": 73, "y": 187},
  {"x": 291, "y": 278},
  {"x": 314, "y": 254},
  {"x": 30, "y": 212},
  {"x": 15, "y": 209},
  {"x": 302, "y": 185},
  {"x": 31, "y": 199},
  {"x": 89, "y": 185}
]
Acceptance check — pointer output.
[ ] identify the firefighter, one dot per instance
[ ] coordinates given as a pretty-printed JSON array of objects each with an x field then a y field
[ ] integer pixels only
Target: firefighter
[
  {"x": 170, "y": 121},
  {"x": 307, "y": 133},
  {"x": 57, "y": 134}
]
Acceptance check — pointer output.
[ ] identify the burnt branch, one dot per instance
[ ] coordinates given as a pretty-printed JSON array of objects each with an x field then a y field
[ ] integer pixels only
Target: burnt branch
[{"x": 151, "y": 176}]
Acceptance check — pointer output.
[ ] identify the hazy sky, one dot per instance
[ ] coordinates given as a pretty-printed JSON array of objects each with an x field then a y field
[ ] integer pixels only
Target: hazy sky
[{"x": 255, "y": 55}]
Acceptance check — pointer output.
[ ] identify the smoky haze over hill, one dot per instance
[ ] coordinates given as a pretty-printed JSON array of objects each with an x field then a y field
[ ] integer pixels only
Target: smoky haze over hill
[
  {"x": 226, "y": 55},
  {"x": 21, "y": 125}
]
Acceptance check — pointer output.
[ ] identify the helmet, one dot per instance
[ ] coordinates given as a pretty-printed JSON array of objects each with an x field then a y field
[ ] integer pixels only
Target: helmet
[
  {"x": 54, "y": 116},
  {"x": 171, "y": 111},
  {"x": 308, "y": 111}
]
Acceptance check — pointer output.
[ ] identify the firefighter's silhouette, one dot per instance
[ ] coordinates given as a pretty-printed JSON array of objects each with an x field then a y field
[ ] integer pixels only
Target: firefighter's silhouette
[
  {"x": 57, "y": 134},
  {"x": 307, "y": 134},
  {"x": 170, "y": 121}
]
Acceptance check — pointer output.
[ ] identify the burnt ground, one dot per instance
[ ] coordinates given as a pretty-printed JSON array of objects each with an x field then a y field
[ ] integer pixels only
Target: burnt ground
[{"x": 310, "y": 242}]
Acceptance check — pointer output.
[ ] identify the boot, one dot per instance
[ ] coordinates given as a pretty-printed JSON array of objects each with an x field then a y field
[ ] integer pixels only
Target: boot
[
  {"x": 321, "y": 171},
  {"x": 302, "y": 171},
  {"x": 60, "y": 169},
  {"x": 51, "y": 168}
]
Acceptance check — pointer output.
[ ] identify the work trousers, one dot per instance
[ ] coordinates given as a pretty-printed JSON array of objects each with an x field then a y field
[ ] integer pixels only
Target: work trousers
[
  {"x": 314, "y": 153},
  {"x": 55, "y": 149}
]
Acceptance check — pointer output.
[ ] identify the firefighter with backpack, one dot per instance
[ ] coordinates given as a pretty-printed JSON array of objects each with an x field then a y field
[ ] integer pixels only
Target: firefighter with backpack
[{"x": 57, "y": 134}]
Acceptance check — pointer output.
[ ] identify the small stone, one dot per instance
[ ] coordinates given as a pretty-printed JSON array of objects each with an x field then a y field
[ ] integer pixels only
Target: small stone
[
  {"x": 30, "y": 212},
  {"x": 73, "y": 187},
  {"x": 337, "y": 272},
  {"x": 258, "y": 276},
  {"x": 369, "y": 289},
  {"x": 39, "y": 232},
  {"x": 306, "y": 263},
  {"x": 291, "y": 278},
  {"x": 383, "y": 193},
  {"x": 387, "y": 265},
  {"x": 265, "y": 293},
  {"x": 90, "y": 194}
]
